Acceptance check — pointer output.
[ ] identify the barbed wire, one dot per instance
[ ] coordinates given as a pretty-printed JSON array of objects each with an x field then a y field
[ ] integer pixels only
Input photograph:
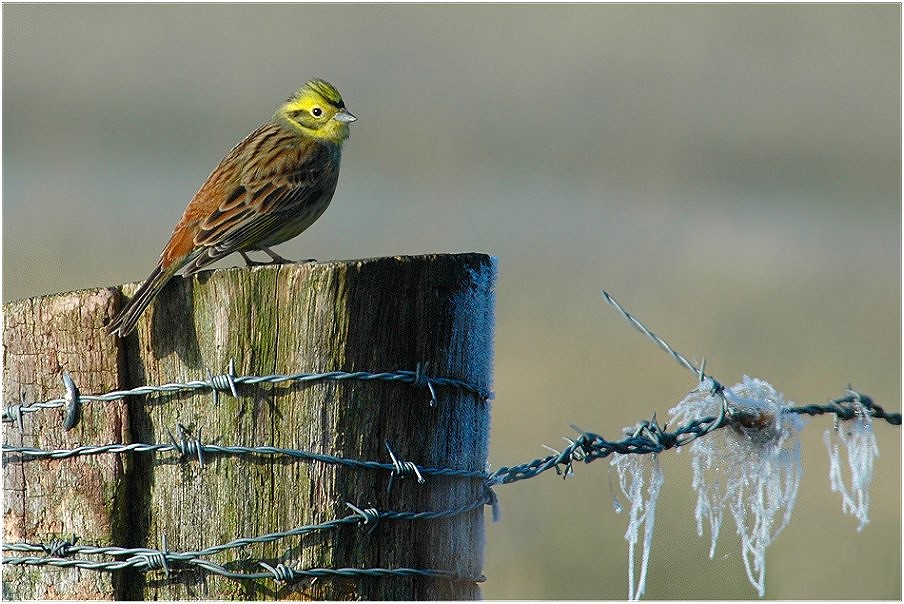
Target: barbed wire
[
  {"x": 646, "y": 437},
  {"x": 229, "y": 382},
  {"x": 639, "y": 326},
  {"x": 147, "y": 559},
  {"x": 144, "y": 559},
  {"x": 281, "y": 572},
  {"x": 186, "y": 446},
  {"x": 835, "y": 406}
]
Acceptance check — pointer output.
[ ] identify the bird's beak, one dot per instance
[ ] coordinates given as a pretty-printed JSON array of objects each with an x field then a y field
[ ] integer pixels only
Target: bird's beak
[{"x": 344, "y": 116}]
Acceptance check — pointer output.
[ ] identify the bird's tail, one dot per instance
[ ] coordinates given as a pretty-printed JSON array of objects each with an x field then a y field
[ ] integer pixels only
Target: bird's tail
[{"x": 125, "y": 321}]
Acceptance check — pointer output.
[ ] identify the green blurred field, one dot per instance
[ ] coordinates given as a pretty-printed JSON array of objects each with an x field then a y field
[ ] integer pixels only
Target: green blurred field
[{"x": 732, "y": 174}]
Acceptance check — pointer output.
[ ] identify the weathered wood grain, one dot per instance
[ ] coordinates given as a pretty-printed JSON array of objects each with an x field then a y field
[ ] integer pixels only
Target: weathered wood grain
[{"x": 47, "y": 499}]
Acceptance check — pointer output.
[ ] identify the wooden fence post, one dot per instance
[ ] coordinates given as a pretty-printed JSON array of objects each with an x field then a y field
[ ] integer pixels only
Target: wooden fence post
[
  {"x": 432, "y": 315},
  {"x": 47, "y": 500}
]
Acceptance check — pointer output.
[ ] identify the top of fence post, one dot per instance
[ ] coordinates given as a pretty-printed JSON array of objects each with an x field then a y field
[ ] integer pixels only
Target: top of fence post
[{"x": 428, "y": 319}]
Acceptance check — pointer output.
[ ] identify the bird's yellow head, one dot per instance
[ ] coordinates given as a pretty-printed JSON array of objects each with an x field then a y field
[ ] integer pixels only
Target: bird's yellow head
[{"x": 317, "y": 111}]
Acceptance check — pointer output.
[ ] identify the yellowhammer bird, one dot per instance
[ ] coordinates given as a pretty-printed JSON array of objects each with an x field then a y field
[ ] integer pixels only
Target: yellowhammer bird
[{"x": 268, "y": 189}]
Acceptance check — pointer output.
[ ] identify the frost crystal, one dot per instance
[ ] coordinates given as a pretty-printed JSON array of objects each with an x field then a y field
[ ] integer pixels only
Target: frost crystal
[
  {"x": 632, "y": 476},
  {"x": 752, "y": 467},
  {"x": 859, "y": 443}
]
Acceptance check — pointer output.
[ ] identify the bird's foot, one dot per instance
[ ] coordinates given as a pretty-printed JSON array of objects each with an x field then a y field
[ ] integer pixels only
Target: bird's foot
[
  {"x": 274, "y": 258},
  {"x": 250, "y": 262}
]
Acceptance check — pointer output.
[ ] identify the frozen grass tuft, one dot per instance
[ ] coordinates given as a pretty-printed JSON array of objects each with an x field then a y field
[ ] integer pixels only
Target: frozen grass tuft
[
  {"x": 752, "y": 468},
  {"x": 633, "y": 473}
]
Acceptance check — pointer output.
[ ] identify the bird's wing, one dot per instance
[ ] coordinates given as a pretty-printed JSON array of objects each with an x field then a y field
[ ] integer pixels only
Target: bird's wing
[{"x": 273, "y": 190}]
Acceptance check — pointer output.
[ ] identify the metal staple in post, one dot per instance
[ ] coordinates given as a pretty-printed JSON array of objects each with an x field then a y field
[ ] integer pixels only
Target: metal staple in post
[{"x": 73, "y": 402}]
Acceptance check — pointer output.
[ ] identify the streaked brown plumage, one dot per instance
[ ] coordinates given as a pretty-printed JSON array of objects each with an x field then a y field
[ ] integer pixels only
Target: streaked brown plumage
[{"x": 268, "y": 189}]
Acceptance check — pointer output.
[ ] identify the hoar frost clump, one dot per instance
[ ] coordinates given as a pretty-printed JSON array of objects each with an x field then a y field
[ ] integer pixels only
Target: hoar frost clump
[
  {"x": 752, "y": 466},
  {"x": 859, "y": 442},
  {"x": 632, "y": 477}
]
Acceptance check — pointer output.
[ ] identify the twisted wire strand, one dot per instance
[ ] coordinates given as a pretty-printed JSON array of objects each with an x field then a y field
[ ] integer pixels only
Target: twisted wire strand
[
  {"x": 639, "y": 326},
  {"x": 648, "y": 437},
  {"x": 848, "y": 407},
  {"x": 229, "y": 382},
  {"x": 836, "y": 406},
  {"x": 151, "y": 559},
  {"x": 34, "y": 453},
  {"x": 279, "y": 573}
]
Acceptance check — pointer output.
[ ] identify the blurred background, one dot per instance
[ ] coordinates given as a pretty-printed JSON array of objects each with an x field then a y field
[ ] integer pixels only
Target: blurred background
[{"x": 731, "y": 173}]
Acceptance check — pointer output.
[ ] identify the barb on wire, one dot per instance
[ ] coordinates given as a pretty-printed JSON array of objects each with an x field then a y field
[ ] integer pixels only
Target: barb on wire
[
  {"x": 367, "y": 516},
  {"x": 401, "y": 469},
  {"x": 846, "y": 407},
  {"x": 59, "y": 548},
  {"x": 188, "y": 446},
  {"x": 223, "y": 383},
  {"x": 422, "y": 380}
]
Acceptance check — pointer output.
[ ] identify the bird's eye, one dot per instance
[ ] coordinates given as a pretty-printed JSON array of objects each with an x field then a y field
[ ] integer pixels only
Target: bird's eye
[{"x": 316, "y": 111}]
